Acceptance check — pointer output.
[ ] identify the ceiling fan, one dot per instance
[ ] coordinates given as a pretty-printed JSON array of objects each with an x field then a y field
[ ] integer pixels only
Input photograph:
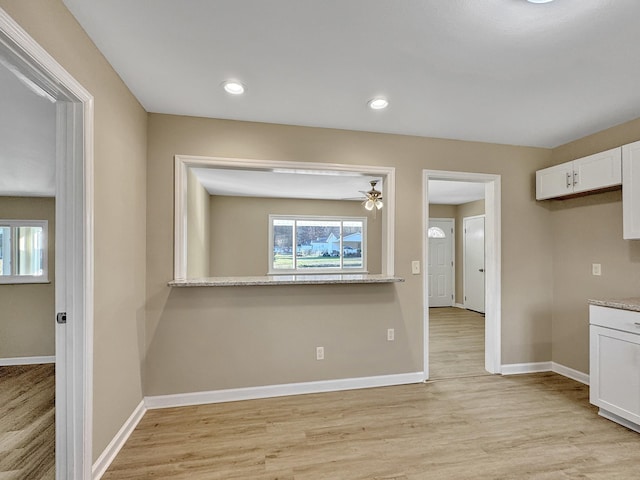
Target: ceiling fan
[{"x": 373, "y": 197}]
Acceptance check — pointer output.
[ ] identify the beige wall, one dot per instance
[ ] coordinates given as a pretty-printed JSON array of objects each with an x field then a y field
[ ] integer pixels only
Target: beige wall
[
  {"x": 198, "y": 229},
  {"x": 214, "y": 338},
  {"x": 28, "y": 310},
  {"x": 584, "y": 231},
  {"x": 119, "y": 213},
  {"x": 240, "y": 230}
]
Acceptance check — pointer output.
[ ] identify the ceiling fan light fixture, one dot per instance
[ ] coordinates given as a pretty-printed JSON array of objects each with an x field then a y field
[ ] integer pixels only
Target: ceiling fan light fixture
[
  {"x": 378, "y": 203},
  {"x": 378, "y": 103},
  {"x": 369, "y": 204},
  {"x": 234, "y": 88}
]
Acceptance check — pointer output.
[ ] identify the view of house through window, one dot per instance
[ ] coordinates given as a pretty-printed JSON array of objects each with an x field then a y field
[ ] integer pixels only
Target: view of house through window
[
  {"x": 317, "y": 244},
  {"x": 23, "y": 251}
]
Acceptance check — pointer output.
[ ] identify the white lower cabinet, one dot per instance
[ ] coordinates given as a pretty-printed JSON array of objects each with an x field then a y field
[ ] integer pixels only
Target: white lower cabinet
[{"x": 615, "y": 364}]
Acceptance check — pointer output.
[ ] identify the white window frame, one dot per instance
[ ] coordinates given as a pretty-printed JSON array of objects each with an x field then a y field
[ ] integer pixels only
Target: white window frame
[
  {"x": 13, "y": 278},
  {"x": 323, "y": 270}
]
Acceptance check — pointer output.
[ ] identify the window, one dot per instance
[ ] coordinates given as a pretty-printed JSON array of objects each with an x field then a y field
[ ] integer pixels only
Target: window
[
  {"x": 23, "y": 251},
  {"x": 436, "y": 232},
  {"x": 317, "y": 244}
]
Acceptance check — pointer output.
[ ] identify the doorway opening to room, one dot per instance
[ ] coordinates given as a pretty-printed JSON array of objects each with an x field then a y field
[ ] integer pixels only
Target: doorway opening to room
[
  {"x": 63, "y": 184},
  {"x": 461, "y": 288}
]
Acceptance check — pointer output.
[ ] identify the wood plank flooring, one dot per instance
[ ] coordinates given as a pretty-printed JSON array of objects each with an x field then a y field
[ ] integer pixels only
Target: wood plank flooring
[
  {"x": 456, "y": 343},
  {"x": 538, "y": 426},
  {"x": 27, "y": 422}
]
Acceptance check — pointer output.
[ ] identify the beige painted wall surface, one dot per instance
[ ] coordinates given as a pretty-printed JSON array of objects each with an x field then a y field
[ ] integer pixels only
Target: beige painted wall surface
[
  {"x": 198, "y": 228},
  {"x": 465, "y": 210},
  {"x": 240, "y": 230},
  {"x": 589, "y": 230},
  {"x": 442, "y": 211},
  {"x": 28, "y": 310},
  {"x": 214, "y": 338},
  {"x": 119, "y": 213}
]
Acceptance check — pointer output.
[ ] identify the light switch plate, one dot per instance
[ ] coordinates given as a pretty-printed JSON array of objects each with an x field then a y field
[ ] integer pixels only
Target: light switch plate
[
  {"x": 596, "y": 269},
  {"x": 415, "y": 267}
]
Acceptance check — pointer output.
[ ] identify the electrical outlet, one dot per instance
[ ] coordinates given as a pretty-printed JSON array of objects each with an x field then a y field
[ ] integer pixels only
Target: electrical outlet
[
  {"x": 596, "y": 269},
  {"x": 319, "y": 353},
  {"x": 391, "y": 334},
  {"x": 415, "y": 267}
]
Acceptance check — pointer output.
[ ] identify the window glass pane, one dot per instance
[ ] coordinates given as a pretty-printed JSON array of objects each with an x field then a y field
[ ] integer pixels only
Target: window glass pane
[
  {"x": 29, "y": 256},
  {"x": 283, "y": 244},
  {"x": 5, "y": 250},
  {"x": 317, "y": 244},
  {"x": 436, "y": 232},
  {"x": 352, "y": 244}
]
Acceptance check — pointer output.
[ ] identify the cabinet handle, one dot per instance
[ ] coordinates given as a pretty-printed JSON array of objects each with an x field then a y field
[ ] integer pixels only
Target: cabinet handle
[
  {"x": 568, "y": 179},
  {"x": 576, "y": 180}
]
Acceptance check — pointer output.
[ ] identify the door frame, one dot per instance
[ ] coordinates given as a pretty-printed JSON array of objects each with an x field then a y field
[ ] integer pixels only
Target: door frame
[
  {"x": 493, "y": 262},
  {"x": 453, "y": 254},
  {"x": 74, "y": 245},
  {"x": 464, "y": 257}
]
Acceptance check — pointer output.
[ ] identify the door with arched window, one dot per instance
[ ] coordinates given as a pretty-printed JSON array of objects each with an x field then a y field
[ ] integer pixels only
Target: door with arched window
[{"x": 440, "y": 262}]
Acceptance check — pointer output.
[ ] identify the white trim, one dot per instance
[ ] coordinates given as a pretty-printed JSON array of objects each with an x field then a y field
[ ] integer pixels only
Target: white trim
[
  {"x": 537, "y": 367},
  {"x": 270, "y": 391},
  {"x": 182, "y": 162},
  {"x": 117, "y": 442},
  {"x": 619, "y": 420},
  {"x": 74, "y": 261},
  {"x": 570, "y": 373},
  {"x": 521, "y": 368},
  {"x": 459, "y": 305},
  {"x": 493, "y": 262},
  {"x": 7, "y": 362}
]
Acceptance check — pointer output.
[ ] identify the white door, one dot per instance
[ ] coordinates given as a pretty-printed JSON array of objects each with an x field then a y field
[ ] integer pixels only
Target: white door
[
  {"x": 473, "y": 252},
  {"x": 440, "y": 262}
]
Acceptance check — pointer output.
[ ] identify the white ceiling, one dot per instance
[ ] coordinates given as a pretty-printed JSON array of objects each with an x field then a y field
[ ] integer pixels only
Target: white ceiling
[
  {"x": 253, "y": 183},
  {"x": 27, "y": 139},
  {"x": 504, "y": 71},
  {"x": 447, "y": 192}
]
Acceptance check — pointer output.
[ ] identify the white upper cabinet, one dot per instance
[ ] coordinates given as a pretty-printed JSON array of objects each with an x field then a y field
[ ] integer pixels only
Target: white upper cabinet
[
  {"x": 631, "y": 191},
  {"x": 595, "y": 172}
]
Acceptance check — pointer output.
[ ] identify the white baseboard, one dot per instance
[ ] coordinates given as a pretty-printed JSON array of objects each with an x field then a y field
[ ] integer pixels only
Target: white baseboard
[
  {"x": 269, "y": 391},
  {"x": 570, "y": 373},
  {"x": 7, "y": 362},
  {"x": 519, "y": 368},
  {"x": 109, "y": 454},
  {"x": 459, "y": 305}
]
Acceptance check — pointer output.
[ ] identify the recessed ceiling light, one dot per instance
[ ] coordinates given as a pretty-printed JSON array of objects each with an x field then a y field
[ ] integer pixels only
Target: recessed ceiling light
[
  {"x": 233, "y": 87},
  {"x": 378, "y": 103},
  {"x": 539, "y": 1}
]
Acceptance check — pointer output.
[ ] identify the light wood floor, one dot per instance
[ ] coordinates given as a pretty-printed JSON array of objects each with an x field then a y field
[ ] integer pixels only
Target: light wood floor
[
  {"x": 456, "y": 343},
  {"x": 27, "y": 422},
  {"x": 537, "y": 426}
]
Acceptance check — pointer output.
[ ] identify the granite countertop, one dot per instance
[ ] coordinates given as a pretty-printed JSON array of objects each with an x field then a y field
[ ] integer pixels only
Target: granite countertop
[
  {"x": 620, "y": 303},
  {"x": 285, "y": 280}
]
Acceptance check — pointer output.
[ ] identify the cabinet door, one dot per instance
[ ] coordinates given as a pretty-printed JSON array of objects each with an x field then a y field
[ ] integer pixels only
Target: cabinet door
[
  {"x": 631, "y": 191},
  {"x": 600, "y": 170},
  {"x": 555, "y": 181},
  {"x": 615, "y": 372}
]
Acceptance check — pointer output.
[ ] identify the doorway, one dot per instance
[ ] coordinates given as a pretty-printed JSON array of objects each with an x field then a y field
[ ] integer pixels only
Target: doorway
[
  {"x": 440, "y": 279},
  {"x": 74, "y": 240},
  {"x": 490, "y": 188},
  {"x": 474, "y": 263}
]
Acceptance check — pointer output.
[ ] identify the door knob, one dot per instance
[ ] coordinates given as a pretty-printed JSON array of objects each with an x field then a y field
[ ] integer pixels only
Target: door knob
[{"x": 481, "y": 269}]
